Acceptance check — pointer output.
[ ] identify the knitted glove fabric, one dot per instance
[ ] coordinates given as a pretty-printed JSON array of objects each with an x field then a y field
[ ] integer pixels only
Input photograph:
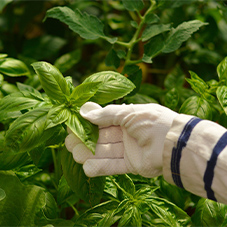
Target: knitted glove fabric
[{"x": 131, "y": 139}]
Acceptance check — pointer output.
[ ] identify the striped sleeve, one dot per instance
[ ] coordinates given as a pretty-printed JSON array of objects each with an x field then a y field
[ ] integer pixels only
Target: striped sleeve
[{"x": 195, "y": 157}]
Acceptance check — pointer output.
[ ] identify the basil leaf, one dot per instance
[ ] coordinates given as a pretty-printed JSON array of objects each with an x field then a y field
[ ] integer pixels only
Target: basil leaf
[
  {"x": 99, "y": 215},
  {"x": 28, "y": 131},
  {"x": 52, "y": 81},
  {"x": 65, "y": 194},
  {"x": 22, "y": 202},
  {"x": 11, "y": 105},
  {"x": 139, "y": 99},
  {"x": 56, "y": 116},
  {"x": 83, "y": 129},
  {"x": 197, "y": 106},
  {"x": 197, "y": 84},
  {"x": 222, "y": 97},
  {"x": 133, "y": 5},
  {"x": 34, "y": 92},
  {"x": 210, "y": 213},
  {"x": 180, "y": 34},
  {"x": 88, "y": 189},
  {"x": 172, "y": 98},
  {"x": 114, "y": 86},
  {"x": 13, "y": 67},
  {"x": 11, "y": 161},
  {"x": 126, "y": 183},
  {"x": 87, "y": 26},
  {"x": 168, "y": 213},
  {"x": 131, "y": 217},
  {"x": 222, "y": 69},
  {"x": 83, "y": 92}
]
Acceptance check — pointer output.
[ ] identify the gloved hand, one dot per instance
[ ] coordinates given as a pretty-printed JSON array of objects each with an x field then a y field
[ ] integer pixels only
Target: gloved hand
[{"x": 131, "y": 139}]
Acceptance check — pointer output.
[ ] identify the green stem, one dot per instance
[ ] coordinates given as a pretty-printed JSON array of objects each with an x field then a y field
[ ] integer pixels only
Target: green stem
[
  {"x": 56, "y": 166},
  {"x": 74, "y": 208},
  {"x": 135, "y": 39},
  {"x": 122, "y": 189}
]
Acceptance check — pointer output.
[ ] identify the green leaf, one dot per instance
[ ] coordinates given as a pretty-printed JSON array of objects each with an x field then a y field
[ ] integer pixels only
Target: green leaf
[
  {"x": 197, "y": 106},
  {"x": 153, "y": 47},
  {"x": 153, "y": 30},
  {"x": 222, "y": 97},
  {"x": 13, "y": 67},
  {"x": 99, "y": 215},
  {"x": 131, "y": 217},
  {"x": 169, "y": 213},
  {"x": 112, "y": 59},
  {"x": 83, "y": 92},
  {"x": 222, "y": 70},
  {"x": 135, "y": 75},
  {"x": 87, "y": 26},
  {"x": 2, "y": 194},
  {"x": 65, "y": 193},
  {"x": 21, "y": 203},
  {"x": 174, "y": 194},
  {"x": 10, "y": 161},
  {"x": 11, "y": 105},
  {"x": 8, "y": 88},
  {"x": 43, "y": 47},
  {"x": 88, "y": 189},
  {"x": 27, "y": 88},
  {"x": 110, "y": 187},
  {"x": 139, "y": 99},
  {"x": 83, "y": 129},
  {"x": 52, "y": 81},
  {"x": 67, "y": 61},
  {"x": 56, "y": 116},
  {"x": 126, "y": 183},
  {"x": 210, "y": 213},
  {"x": 172, "y": 98},
  {"x": 197, "y": 84},
  {"x": 175, "y": 79},
  {"x": 26, "y": 171},
  {"x": 114, "y": 86},
  {"x": 133, "y": 5},
  {"x": 28, "y": 131},
  {"x": 151, "y": 18},
  {"x": 3, "y": 55},
  {"x": 180, "y": 34}
]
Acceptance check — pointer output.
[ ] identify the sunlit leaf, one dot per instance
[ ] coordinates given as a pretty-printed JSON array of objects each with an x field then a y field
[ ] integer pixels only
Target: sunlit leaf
[
  {"x": 52, "y": 81},
  {"x": 13, "y": 67},
  {"x": 114, "y": 86},
  {"x": 210, "y": 213},
  {"x": 222, "y": 70},
  {"x": 197, "y": 106},
  {"x": 222, "y": 97}
]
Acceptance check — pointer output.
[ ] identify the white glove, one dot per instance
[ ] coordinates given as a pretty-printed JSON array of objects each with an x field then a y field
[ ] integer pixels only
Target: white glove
[{"x": 131, "y": 139}]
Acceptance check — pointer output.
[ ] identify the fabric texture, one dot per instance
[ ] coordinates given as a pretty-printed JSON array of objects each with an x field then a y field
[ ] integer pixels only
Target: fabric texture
[
  {"x": 202, "y": 163},
  {"x": 131, "y": 139}
]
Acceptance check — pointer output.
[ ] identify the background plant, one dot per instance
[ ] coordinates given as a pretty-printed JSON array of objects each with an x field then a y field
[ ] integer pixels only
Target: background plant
[{"x": 115, "y": 52}]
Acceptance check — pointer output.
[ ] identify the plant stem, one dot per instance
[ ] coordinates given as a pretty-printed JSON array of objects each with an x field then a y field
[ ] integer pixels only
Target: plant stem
[
  {"x": 74, "y": 208},
  {"x": 56, "y": 166},
  {"x": 135, "y": 37}
]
